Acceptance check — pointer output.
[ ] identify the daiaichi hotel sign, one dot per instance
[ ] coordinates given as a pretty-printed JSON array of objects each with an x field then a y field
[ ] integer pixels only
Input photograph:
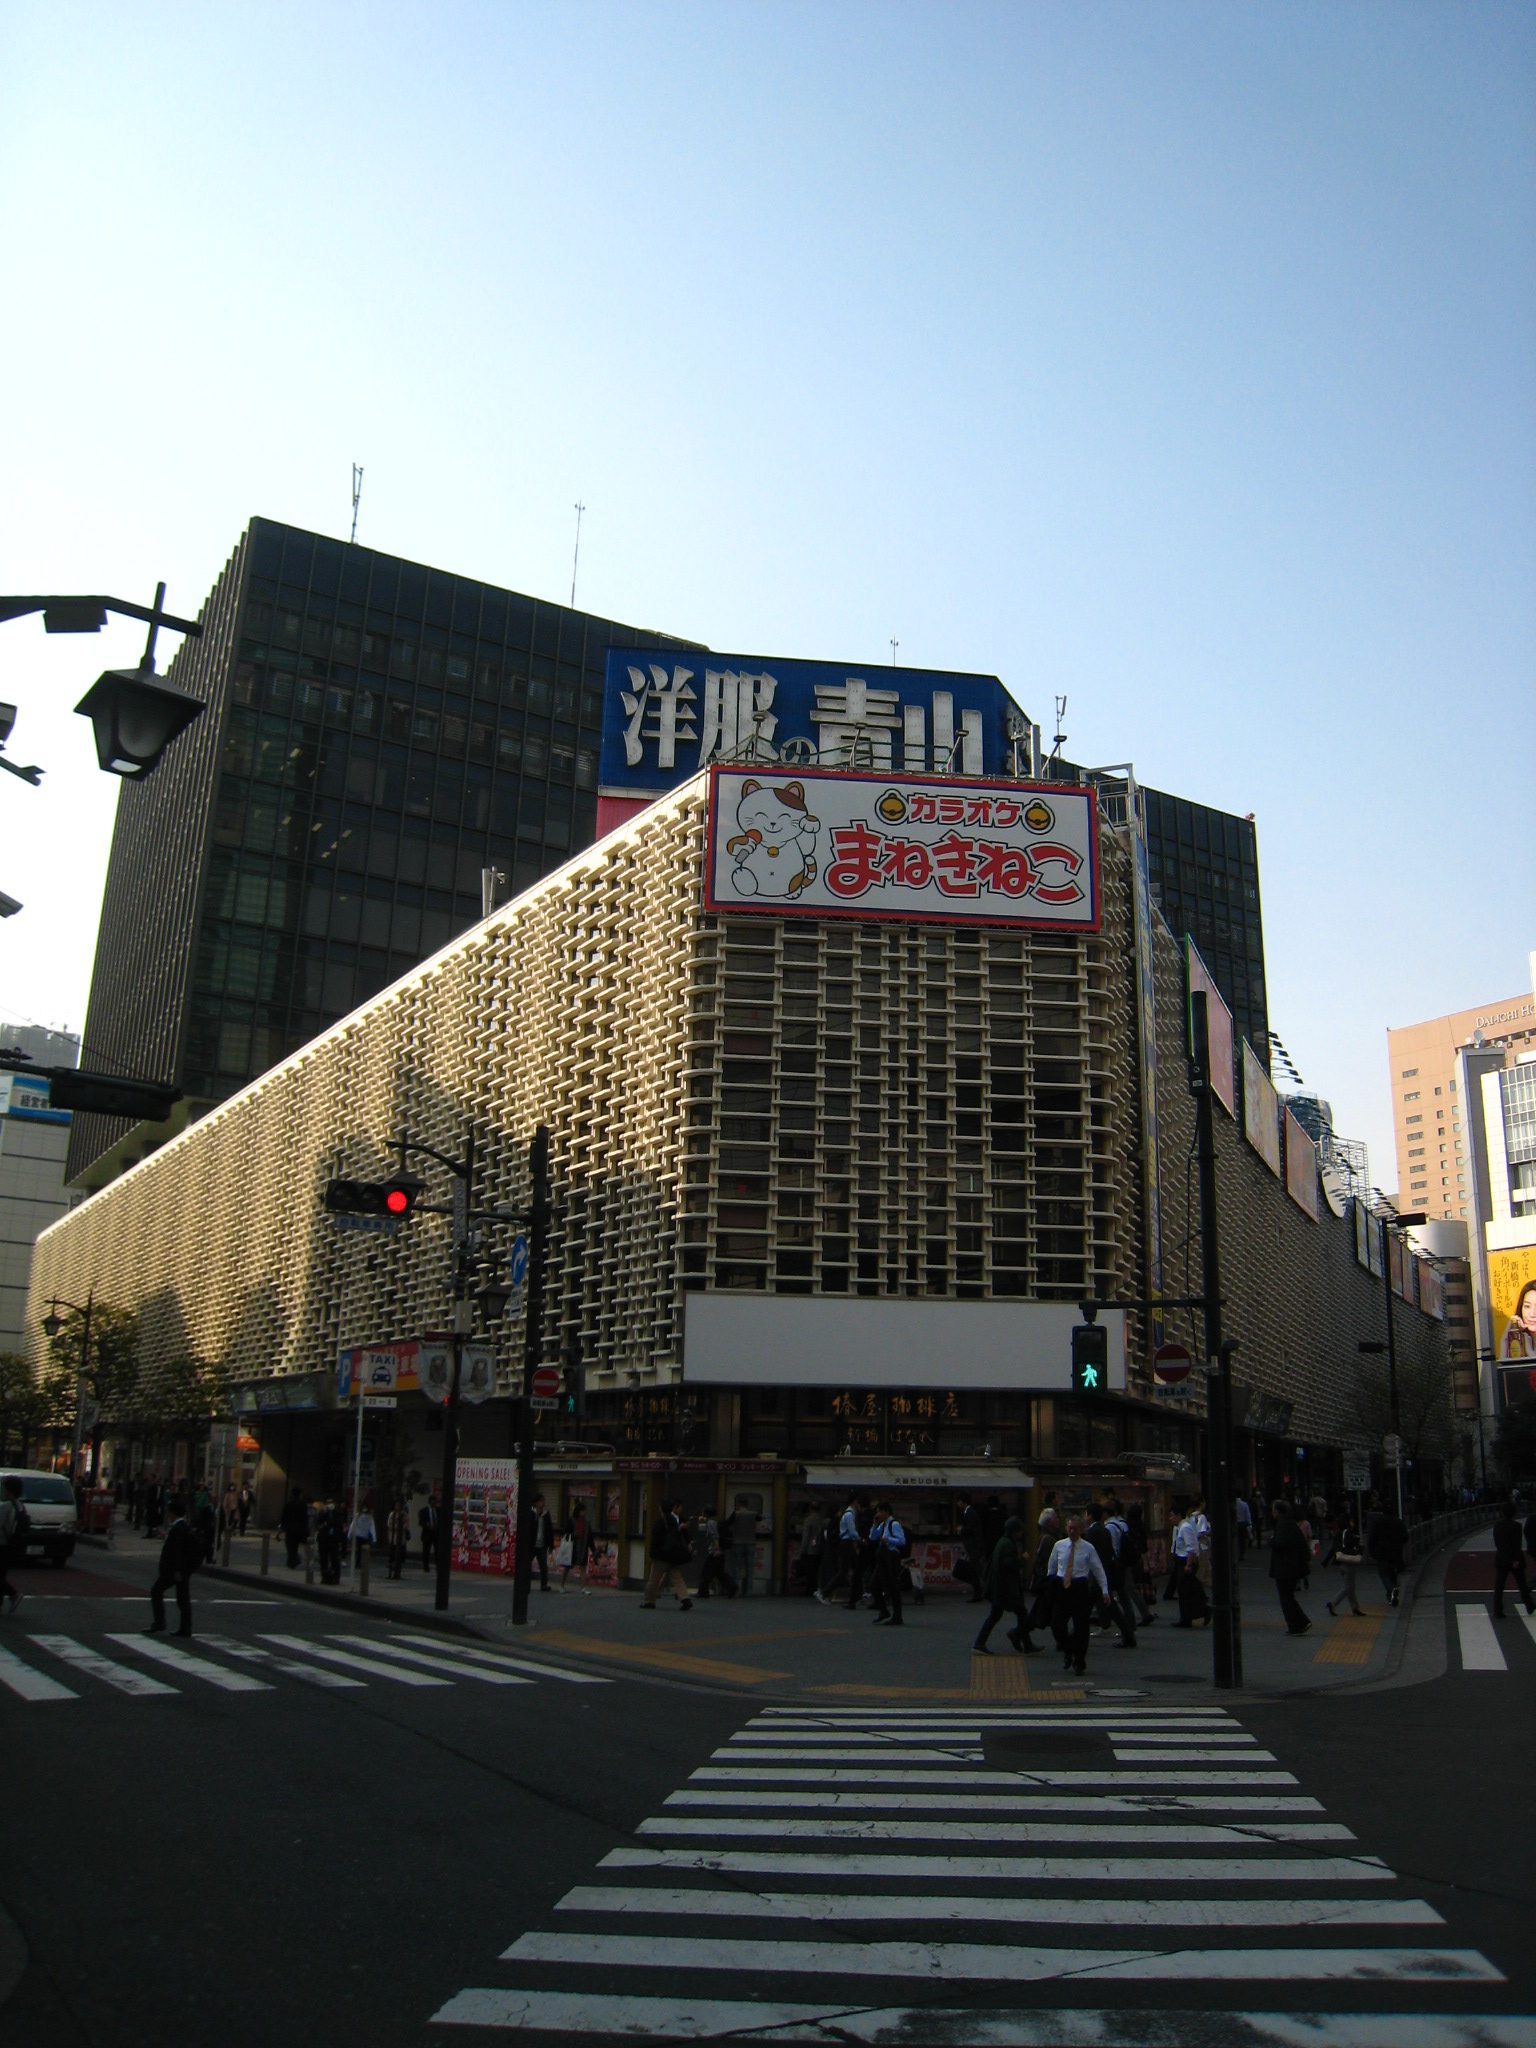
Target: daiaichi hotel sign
[{"x": 900, "y": 846}]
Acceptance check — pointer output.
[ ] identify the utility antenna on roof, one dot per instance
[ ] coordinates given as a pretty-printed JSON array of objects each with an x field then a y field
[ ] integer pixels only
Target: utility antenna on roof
[
  {"x": 1060, "y": 739},
  {"x": 357, "y": 494},
  {"x": 575, "y": 558},
  {"x": 894, "y": 645}
]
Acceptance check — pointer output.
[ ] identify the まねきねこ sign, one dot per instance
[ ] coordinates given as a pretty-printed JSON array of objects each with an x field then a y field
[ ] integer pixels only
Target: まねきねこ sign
[{"x": 922, "y": 847}]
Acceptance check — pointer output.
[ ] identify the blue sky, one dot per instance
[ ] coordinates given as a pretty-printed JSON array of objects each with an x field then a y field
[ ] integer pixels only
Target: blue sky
[{"x": 1175, "y": 359}]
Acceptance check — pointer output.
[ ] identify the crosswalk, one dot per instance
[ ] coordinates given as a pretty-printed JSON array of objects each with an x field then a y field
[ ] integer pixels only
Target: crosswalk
[
  {"x": 41, "y": 1667},
  {"x": 974, "y": 1875},
  {"x": 1486, "y": 1644}
]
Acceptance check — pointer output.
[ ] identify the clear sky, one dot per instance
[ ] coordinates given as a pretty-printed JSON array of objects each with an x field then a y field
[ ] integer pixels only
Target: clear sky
[{"x": 1172, "y": 358}]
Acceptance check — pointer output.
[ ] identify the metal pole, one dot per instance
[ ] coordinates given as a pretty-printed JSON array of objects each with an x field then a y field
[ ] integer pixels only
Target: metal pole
[
  {"x": 1386, "y": 1281},
  {"x": 463, "y": 1204},
  {"x": 1226, "y": 1618},
  {"x": 533, "y": 1345},
  {"x": 357, "y": 1480},
  {"x": 85, "y": 1366}
]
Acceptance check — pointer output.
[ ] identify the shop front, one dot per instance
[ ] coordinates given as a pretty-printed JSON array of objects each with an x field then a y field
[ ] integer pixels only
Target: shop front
[{"x": 925, "y": 1497}]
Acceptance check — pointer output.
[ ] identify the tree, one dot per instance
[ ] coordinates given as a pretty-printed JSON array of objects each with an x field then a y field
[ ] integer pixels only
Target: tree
[
  {"x": 112, "y": 1369},
  {"x": 1426, "y": 1404},
  {"x": 24, "y": 1404}
]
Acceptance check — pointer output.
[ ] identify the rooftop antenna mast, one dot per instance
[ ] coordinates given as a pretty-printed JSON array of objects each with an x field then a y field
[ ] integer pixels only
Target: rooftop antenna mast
[
  {"x": 1060, "y": 739},
  {"x": 576, "y": 557},
  {"x": 894, "y": 645},
  {"x": 357, "y": 494}
]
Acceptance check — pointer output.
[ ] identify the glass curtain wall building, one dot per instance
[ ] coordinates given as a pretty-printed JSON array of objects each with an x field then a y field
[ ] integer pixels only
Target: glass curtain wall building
[{"x": 378, "y": 733}]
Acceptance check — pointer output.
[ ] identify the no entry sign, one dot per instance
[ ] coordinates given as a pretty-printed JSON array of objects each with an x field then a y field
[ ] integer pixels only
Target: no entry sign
[{"x": 1171, "y": 1364}]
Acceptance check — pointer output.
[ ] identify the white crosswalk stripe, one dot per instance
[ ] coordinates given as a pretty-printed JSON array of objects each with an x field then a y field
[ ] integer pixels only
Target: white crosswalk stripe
[
  {"x": 28, "y": 1684},
  {"x": 337, "y": 1662},
  {"x": 121, "y": 1677},
  {"x": 1480, "y": 1649},
  {"x": 866, "y": 1889},
  {"x": 445, "y": 1664},
  {"x": 503, "y": 1659},
  {"x": 291, "y": 1667},
  {"x": 182, "y": 1661}
]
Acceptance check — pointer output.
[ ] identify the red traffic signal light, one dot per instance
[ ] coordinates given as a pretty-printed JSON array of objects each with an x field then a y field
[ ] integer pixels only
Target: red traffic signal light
[{"x": 393, "y": 1199}]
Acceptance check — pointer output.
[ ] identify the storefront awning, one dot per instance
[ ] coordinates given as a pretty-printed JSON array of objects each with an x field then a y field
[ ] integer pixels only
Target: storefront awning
[{"x": 848, "y": 1476}]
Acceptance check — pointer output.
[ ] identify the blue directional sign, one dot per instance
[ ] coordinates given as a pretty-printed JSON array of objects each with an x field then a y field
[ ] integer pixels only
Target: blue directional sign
[{"x": 517, "y": 1272}]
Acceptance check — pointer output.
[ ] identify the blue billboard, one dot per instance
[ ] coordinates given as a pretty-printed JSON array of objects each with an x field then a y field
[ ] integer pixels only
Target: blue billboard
[{"x": 667, "y": 713}]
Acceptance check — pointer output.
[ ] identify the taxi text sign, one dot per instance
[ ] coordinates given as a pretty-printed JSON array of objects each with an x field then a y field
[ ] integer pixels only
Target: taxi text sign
[{"x": 821, "y": 844}]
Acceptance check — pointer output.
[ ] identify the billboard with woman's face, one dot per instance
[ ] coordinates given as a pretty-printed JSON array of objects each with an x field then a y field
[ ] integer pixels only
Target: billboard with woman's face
[{"x": 1512, "y": 1301}]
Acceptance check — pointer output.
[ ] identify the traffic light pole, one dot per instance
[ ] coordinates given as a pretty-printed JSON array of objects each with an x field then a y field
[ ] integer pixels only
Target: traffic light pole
[
  {"x": 533, "y": 1345},
  {"x": 1226, "y": 1608}
]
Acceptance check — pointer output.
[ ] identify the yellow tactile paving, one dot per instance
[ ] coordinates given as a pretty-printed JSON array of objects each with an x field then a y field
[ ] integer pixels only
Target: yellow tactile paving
[
  {"x": 999, "y": 1678},
  {"x": 1350, "y": 1641},
  {"x": 679, "y": 1662}
]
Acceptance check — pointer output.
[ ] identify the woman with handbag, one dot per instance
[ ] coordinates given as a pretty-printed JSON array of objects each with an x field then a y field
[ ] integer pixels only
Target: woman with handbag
[{"x": 1348, "y": 1554}]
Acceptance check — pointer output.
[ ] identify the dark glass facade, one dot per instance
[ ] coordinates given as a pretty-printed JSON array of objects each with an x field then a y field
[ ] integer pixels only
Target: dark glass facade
[
  {"x": 378, "y": 733},
  {"x": 1205, "y": 877}
]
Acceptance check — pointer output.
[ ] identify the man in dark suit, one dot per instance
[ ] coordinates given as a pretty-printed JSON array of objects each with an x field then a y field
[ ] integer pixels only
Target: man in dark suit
[{"x": 180, "y": 1555}]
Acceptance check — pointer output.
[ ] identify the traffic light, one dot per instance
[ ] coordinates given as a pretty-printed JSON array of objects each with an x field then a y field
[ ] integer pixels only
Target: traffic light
[
  {"x": 573, "y": 1392},
  {"x": 1090, "y": 1359},
  {"x": 395, "y": 1198}
]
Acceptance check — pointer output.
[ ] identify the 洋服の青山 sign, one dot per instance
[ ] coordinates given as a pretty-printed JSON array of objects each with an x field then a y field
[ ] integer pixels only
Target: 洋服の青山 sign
[{"x": 881, "y": 846}]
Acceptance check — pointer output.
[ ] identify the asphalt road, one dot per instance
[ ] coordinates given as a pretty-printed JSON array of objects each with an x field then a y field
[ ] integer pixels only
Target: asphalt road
[{"x": 276, "y": 1844}]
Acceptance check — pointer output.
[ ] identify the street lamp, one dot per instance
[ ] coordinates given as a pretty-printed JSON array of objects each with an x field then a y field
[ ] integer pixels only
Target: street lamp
[
  {"x": 52, "y": 1323},
  {"x": 134, "y": 713}
]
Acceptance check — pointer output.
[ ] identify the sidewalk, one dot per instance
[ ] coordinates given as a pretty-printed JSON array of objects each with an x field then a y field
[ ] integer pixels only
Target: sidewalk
[{"x": 772, "y": 1647}]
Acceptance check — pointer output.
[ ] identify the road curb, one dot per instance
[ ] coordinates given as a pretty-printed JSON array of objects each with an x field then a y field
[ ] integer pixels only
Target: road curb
[{"x": 349, "y": 1603}]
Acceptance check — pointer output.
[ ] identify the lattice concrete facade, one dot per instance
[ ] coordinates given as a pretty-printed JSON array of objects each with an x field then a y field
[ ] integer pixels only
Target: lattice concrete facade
[{"x": 768, "y": 1103}]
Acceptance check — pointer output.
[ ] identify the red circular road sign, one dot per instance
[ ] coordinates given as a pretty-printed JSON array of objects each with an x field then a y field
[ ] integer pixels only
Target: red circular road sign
[
  {"x": 1171, "y": 1363},
  {"x": 546, "y": 1382}
]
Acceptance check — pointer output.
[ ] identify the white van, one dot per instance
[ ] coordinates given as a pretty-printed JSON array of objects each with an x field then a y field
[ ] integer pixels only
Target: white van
[{"x": 49, "y": 1500}]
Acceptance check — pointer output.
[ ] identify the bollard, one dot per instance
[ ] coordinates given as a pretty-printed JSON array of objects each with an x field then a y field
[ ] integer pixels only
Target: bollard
[
  {"x": 309, "y": 1564},
  {"x": 224, "y": 1547},
  {"x": 364, "y": 1559},
  {"x": 266, "y": 1551}
]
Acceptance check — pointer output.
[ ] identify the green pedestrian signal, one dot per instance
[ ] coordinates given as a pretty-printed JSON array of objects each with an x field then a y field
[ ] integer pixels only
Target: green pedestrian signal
[{"x": 1090, "y": 1359}]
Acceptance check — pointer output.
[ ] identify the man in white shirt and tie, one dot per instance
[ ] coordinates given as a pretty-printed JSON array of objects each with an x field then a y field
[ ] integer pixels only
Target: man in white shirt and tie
[{"x": 1078, "y": 1575}]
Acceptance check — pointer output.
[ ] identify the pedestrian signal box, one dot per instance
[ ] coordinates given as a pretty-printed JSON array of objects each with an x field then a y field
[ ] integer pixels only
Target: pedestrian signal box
[{"x": 1090, "y": 1359}]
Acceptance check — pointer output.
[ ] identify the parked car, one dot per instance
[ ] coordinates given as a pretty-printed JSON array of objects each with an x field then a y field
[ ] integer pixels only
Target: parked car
[{"x": 52, "y": 1522}]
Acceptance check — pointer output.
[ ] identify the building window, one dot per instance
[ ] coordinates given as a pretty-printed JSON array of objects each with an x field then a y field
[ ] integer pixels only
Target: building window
[
  {"x": 1416, "y": 1118},
  {"x": 1413, "y": 1095},
  {"x": 1409, "y": 1074}
]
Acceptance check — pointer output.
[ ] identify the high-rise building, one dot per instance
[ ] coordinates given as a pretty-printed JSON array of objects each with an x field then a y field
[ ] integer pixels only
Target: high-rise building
[
  {"x": 1434, "y": 1158},
  {"x": 1205, "y": 876},
  {"x": 33, "y": 1139},
  {"x": 377, "y": 735}
]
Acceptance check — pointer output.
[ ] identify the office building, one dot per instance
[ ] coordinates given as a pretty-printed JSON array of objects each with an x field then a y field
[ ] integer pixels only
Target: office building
[
  {"x": 378, "y": 735},
  {"x": 34, "y": 1137},
  {"x": 1429, "y": 1111}
]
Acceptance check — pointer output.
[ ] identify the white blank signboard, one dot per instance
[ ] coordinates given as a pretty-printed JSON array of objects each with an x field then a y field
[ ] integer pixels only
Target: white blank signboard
[{"x": 796, "y": 1340}]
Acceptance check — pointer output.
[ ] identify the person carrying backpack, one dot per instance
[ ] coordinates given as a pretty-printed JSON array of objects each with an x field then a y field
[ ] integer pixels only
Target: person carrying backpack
[
  {"x": 180, "y": 1555},
  {"x": 13, "y": 1538}
]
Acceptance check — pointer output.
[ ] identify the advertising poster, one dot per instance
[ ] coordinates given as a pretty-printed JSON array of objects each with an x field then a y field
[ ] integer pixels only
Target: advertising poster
[
  {"x": 1512, "y": 1302},
  {"x": 892, "y": 846},
  {"x": 1300, "y": 1167},
  {"x": 1363, "y": 1234},
  {"x": 485, "y": 1515},
  {"x": 1218, "y": 1025},
  {"x": 1261, "y": 1110},
  {"x": 667, "y": 714}
]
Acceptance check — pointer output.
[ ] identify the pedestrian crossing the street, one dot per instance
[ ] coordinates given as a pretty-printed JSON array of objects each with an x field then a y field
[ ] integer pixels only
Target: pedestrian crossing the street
[
  {"x": 973, "y": 1876},
  {"x": 44, "y": 1667}
]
